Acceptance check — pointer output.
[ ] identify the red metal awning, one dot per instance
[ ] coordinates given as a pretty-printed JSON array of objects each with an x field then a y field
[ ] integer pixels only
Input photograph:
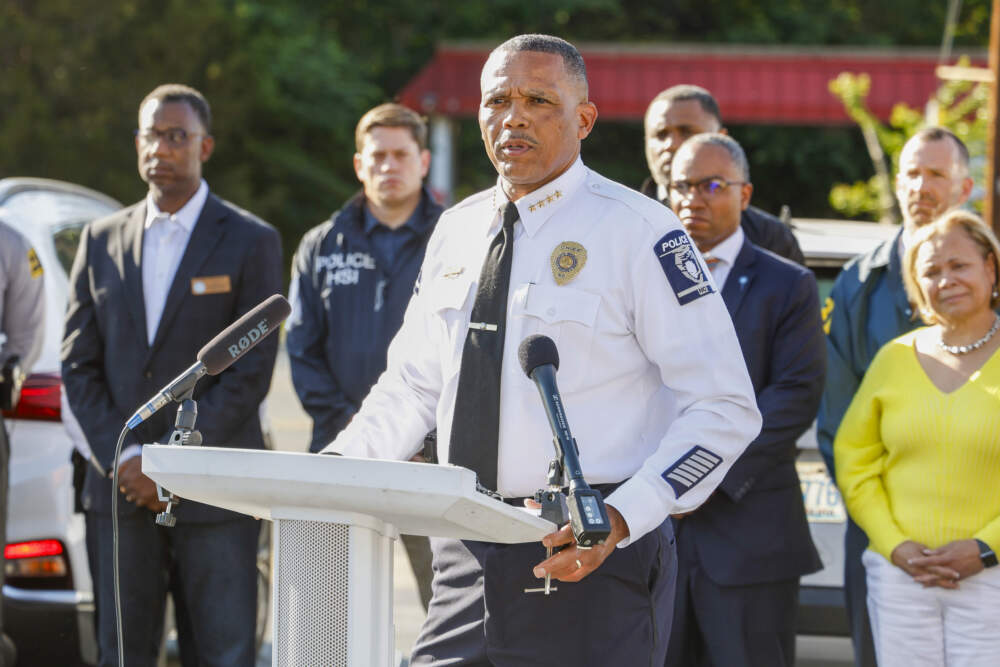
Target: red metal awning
[{"x": 754, "y": 85}]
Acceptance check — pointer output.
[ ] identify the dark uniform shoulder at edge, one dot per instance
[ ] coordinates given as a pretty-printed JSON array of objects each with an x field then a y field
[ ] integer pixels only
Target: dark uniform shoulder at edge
[
  {"x": 768, "y": 231},
  {"x": 783, "y": 263}
]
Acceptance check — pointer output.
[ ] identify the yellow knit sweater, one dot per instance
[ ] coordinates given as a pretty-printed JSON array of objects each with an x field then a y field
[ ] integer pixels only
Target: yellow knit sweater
[{"x": 914, "y": 463}]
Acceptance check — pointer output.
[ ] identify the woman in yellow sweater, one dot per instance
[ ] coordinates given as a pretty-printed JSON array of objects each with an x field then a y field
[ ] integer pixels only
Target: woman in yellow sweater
[{"x": 918, "y": 458}]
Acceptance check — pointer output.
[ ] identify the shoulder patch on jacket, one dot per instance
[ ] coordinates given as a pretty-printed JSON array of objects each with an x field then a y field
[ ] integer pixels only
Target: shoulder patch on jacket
[
  {"x": 680, "y": 264},
  {"x": 827, "y": 314}
]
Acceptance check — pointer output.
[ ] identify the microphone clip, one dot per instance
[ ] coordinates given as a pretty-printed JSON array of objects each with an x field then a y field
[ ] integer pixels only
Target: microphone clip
[
  {"x": 184, "y": 434},
  {"x": 554, "y": 509},
  {"x": 552, "y": 499}
]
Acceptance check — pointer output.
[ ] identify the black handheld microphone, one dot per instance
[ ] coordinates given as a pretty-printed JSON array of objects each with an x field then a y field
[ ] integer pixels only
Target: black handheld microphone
[
  {"x": 588, "y": 517},
  {"x": 219, "y": 353}
]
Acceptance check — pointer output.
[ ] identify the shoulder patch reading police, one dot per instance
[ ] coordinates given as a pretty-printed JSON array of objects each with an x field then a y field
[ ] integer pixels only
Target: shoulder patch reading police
[
  {"x": 690, "y": 469},
  {"x": 681, "y": 266}
]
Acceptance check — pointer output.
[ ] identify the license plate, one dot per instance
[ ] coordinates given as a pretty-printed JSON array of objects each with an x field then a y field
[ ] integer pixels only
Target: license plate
[{"x": 820, "y": 495}]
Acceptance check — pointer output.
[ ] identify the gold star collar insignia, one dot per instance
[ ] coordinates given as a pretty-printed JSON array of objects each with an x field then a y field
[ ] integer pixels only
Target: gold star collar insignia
[{"x": 547, "y": 200}]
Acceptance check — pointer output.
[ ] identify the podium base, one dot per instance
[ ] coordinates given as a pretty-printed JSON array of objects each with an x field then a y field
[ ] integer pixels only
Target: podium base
[{"x": 332, "y": 594}]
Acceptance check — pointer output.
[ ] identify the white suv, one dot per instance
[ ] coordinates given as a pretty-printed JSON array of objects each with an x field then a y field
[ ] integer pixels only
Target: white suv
[{"x": 48, "y": 603}]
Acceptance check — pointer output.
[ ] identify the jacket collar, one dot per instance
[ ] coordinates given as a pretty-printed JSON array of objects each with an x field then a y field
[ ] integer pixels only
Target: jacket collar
[
  {"x": 353, "y": 212},
  {"x": 131, "y": 255},
  {"x": 887, "y": 254},
  {"x": 207, "y": 233},
  {"x": 537, "y": 207}
]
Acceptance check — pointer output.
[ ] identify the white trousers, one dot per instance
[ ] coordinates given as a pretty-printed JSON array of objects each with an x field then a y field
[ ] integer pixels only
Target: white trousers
[{"x": 915, "y": 626}]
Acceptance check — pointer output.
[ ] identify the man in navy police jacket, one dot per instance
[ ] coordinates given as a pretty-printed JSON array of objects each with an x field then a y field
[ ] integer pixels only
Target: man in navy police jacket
[{"x": 353, "y": 276}]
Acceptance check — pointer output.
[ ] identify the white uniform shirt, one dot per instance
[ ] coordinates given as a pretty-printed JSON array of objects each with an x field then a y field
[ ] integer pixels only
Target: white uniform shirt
[
  {"x": 645, "y": 380},
  {"x": 163, "y": 242},
  {"x": 725, "y": 253}
]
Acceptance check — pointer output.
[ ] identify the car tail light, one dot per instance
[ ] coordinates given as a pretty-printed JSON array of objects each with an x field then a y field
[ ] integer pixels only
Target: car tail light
[
  {"x": 33, "y": 549},
  {"x": 35, "y": 559},
  {"x": 40, "y": 395}
]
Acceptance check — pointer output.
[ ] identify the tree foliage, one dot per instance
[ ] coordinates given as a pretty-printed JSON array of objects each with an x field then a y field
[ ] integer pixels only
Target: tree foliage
[
  {"x": 288, "y": 80},
  {"x": 961, "y": 106}
]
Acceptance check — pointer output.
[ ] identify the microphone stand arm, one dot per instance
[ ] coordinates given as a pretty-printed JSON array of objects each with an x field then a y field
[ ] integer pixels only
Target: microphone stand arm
[{"x": 184, "y": 434}]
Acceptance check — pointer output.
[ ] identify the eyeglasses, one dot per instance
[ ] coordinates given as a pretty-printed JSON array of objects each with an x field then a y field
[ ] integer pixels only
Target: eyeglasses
[
  {"x": 707, "y": 187},
  {"x": 176, "y": 137}
]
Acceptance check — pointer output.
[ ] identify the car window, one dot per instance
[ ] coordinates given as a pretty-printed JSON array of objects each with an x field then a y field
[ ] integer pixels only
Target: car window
[{"x": 66, "y": 239}]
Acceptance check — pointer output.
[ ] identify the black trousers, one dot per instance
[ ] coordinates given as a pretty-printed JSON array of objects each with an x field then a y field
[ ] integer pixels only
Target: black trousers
[
  {"x": 480, "y": 614},
  {"x": 211, "y": 570},
  {"x": 729, "y": 626}
]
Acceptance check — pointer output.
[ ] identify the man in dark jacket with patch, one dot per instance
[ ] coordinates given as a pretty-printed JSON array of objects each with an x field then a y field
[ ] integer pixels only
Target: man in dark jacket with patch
[
  {"x": 352, "y": 278},
  {"x": 680, "y": 112}
]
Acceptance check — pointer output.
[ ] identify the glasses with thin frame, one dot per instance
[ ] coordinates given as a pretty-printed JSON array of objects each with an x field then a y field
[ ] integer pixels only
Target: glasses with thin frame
[
  {"x": 175, "y": 137},
  {"x": 706, "y": 187}
]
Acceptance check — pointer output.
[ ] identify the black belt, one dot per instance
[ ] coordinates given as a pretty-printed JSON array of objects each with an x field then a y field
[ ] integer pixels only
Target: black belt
[{"x": 605, "y": 489}]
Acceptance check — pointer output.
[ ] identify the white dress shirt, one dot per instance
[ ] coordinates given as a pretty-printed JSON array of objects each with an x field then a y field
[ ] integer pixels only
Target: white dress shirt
[
  {"x": 163, "y": 242},
  {"x": 644, "y": 379},
  {"x": 725, "y": 254},
  {"x": 164, "y": 239}
]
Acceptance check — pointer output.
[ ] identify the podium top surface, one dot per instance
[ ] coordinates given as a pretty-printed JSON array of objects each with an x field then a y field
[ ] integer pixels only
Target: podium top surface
[{"x": 416, "y": 498}]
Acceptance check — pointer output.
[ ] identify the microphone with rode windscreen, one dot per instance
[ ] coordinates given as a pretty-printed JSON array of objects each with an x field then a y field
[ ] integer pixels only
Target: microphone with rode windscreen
[
  {"x": 588, "y": 517},
  {"x": 220, "y": 353}
]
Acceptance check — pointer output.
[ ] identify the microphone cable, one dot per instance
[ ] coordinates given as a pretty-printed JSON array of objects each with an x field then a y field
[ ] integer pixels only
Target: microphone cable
[{"x": 114, "y": 546}]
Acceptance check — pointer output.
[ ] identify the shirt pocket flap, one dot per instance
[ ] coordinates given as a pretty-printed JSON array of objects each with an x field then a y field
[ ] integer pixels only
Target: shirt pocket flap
[
  {"x": 448, "y": 294},
  {"x": 562, "y": 304}
]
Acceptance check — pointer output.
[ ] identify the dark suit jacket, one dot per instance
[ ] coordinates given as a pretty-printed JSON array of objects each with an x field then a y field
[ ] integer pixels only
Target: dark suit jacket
[
  {"x": 753, "y": 530},
  {"x": 763, "y": 229},
  {"x": 108, "y": 367}
]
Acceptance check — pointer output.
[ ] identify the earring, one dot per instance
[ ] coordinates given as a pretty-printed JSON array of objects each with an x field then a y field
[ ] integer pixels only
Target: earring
[{"x": 995, "y": 292}]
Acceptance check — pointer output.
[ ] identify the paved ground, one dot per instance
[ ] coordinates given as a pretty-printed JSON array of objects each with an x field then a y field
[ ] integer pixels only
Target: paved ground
[{"x": 290, "y": 426}]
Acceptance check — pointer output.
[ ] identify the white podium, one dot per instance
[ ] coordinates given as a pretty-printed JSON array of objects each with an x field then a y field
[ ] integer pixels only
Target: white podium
[{"x": 335, "y": 522}]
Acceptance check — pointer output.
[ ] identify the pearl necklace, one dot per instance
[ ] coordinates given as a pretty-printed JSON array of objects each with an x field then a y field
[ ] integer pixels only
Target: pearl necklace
[{"x": 965, "y": 349}]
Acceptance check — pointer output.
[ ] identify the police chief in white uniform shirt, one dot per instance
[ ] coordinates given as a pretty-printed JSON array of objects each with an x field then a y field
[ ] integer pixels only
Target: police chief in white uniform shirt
[{"x": 652, "y": 378}]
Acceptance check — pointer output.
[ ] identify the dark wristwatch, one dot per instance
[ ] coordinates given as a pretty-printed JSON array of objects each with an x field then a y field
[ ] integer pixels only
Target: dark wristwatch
[{"x": 986, "y": 554}]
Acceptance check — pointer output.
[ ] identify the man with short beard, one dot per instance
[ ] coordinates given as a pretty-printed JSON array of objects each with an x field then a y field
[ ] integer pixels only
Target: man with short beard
[{"x": 867, "y": 308}]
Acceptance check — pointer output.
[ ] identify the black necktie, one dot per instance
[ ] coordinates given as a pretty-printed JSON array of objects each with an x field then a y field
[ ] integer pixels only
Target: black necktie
[{"x": 476, "y": 421}]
